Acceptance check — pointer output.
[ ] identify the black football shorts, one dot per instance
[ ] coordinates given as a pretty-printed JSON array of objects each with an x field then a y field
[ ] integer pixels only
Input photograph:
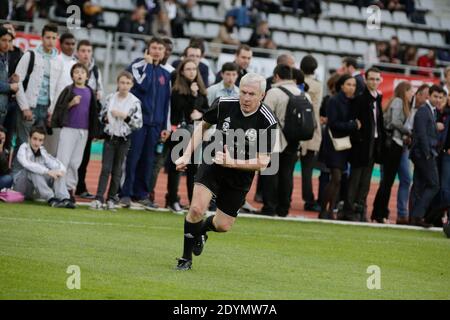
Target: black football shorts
[{"x": 229, "y": 197}]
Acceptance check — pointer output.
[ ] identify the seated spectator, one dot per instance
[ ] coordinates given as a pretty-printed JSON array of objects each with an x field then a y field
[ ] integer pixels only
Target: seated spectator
[
  {"x": 228, "y": 32},
  {"x": 176, "y": 17},
  {"x": 262, "y": 37},
  {"x": 91, "y": 13},
  {"x": 136, "y": 23},
  {"x": 40, "y": 172},
  {"x": 310, "y": 8},
  {"x": 152, "y": 8},
  {"x": 410, "y": 56},
  {"x": 394, "y": 52},
  {"x": 6, "y": 179},
  {"x": 269, "y": 6},
  {"x": 161, "y": 26},
  {"x": 427, "y": 61},
  {"x": 242, "y": 15},
  {"x": 23, "y": 10}
]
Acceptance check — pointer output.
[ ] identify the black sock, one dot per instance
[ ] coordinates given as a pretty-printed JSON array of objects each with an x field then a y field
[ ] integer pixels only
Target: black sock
[
  {"x": 208, "y": 225},
  {"x": 191, "y": 232}
]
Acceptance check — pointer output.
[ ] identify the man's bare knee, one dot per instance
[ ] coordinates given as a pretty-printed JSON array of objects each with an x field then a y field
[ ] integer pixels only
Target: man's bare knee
[{"x": 196, "y": 213}]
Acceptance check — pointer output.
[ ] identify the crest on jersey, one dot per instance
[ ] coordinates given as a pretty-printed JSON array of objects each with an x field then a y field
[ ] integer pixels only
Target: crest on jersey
[
  {"x": 251, "y": 135},
  {"x": 226, "y": 124}
]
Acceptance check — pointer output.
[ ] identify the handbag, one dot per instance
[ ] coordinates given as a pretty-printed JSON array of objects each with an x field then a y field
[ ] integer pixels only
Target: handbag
[
  {"x": 11, "y": 196},
  {"x": 340, "y": 144}
]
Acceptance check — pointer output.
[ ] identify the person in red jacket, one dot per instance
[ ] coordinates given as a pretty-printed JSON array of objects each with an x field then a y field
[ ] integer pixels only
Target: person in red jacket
[{"x": 427, "y": 61}]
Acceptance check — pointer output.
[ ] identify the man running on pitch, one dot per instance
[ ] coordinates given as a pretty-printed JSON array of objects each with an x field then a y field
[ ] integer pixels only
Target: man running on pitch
[{"x": 230, "y": 175}]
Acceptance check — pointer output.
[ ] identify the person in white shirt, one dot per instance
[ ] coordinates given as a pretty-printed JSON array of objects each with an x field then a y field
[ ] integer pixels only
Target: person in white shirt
[
  {"x": 226, "y": 87},
  {"x": 41, "y": 172}
]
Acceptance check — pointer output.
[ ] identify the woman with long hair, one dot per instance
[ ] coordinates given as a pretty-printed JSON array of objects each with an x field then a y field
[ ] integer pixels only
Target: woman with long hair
[
  {"x": 395, "y": 116},
  {"x": 340, "y": 124},
  {"x": 188, "y": 103}
]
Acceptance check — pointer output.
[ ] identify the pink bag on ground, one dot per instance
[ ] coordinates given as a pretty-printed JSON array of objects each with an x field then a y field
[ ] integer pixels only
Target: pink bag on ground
[{"x": 11, "y": 196}]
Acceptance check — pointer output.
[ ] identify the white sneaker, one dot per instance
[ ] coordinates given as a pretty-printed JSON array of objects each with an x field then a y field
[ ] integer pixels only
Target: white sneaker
[
  {"x": 176, "y": 208},
  {"x": 110, "y": 205},
  {"x": 96, "y": 205}
]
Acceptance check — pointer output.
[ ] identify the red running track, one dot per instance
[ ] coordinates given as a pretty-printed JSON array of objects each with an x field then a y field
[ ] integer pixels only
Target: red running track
[{"x": 94, "y": 168}]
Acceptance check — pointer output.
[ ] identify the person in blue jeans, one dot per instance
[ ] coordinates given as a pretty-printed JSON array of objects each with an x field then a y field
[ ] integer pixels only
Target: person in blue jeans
[{"x": 6, "y": 179}]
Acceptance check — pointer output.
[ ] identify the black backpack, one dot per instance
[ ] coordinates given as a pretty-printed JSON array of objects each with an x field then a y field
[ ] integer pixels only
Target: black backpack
[{"x": 299, "y": 121}]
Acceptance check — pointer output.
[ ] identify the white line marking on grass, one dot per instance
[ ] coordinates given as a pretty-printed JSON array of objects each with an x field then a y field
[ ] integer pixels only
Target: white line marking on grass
[
  {"x": 338, "y": 222},
  {"x": 109, "y": 224}
]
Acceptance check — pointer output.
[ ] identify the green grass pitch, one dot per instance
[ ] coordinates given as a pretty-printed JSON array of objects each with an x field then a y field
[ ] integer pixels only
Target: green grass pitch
[{"x": 131, "y": 255}]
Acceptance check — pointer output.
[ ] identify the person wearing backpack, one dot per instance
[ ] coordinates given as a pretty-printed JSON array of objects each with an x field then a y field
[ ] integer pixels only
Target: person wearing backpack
[
  {"x": 40, "y": 73},
  {"x": 85, "y": 57},
  {"x": 366, "y": 146},
  {"x": 277, "y": 189}
]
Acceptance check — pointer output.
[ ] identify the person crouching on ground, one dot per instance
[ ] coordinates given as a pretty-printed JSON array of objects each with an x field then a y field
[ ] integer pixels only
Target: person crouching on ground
[{"x": 41, "y": 173}]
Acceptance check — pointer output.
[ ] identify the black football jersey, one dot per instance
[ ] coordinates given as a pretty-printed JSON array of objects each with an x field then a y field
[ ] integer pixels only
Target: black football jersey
[{"x": 245, "y": 135}]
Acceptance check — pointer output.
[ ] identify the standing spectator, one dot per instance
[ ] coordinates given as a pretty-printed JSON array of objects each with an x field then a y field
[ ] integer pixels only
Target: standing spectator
[
  {"x": 6, "y": 179},
  {"x": 310, "y": 148},
  {"x": 152, "y": 88},
  {"x": 286, "y": 59},
  {"x": 67, "y": 43},
  {"x": 39, "y": 91},
  {"x": 242, "y": 59},
  {"x": 228, "y": 33},
  {"x": 188, "y": 104},
  {"x": 395, "y": 117},
  {"x": 94, "y": 81},
  {"x": 366, "y": 146},
  {"x": 227, "y": 87},
  {"x": 261, "y": 37},
  {"x": 194, "y": 52},
  {"x": 340, "y": 124},
  {"x": 277, "y": 188},
  {"x": 350, "y": 67},
  {"x": 121, "y": 115},
  {"x": 76, "y": 115},
  {"x": 423, "y": 154},
  {"x": 324, "y": 177},
  {"x": 427, "y": 61},
  {"x": 14, "y": 55},
  {"x": 161, "y": 155},
  {"x": 5, "y": 87},
  {"x": 404, "y": 170},
  {"x": 40, "y": 173}
]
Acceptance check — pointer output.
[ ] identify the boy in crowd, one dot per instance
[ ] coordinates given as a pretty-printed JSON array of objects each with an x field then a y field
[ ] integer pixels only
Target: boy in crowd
[
  {"x": 121, "y": 114},
  {"x": 38, "y": 93},
  {"x": 76, "y": 113},
  {"x": 40, "y": 172}
]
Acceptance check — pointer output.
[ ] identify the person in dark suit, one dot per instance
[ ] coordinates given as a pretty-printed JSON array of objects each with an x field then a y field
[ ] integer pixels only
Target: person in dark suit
[
  {"x": 341, "y": 123},
  {"x": 366, "y": 146},
  {"x": 423, "y": 155},
  {"x": 350, "y": 67}
]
